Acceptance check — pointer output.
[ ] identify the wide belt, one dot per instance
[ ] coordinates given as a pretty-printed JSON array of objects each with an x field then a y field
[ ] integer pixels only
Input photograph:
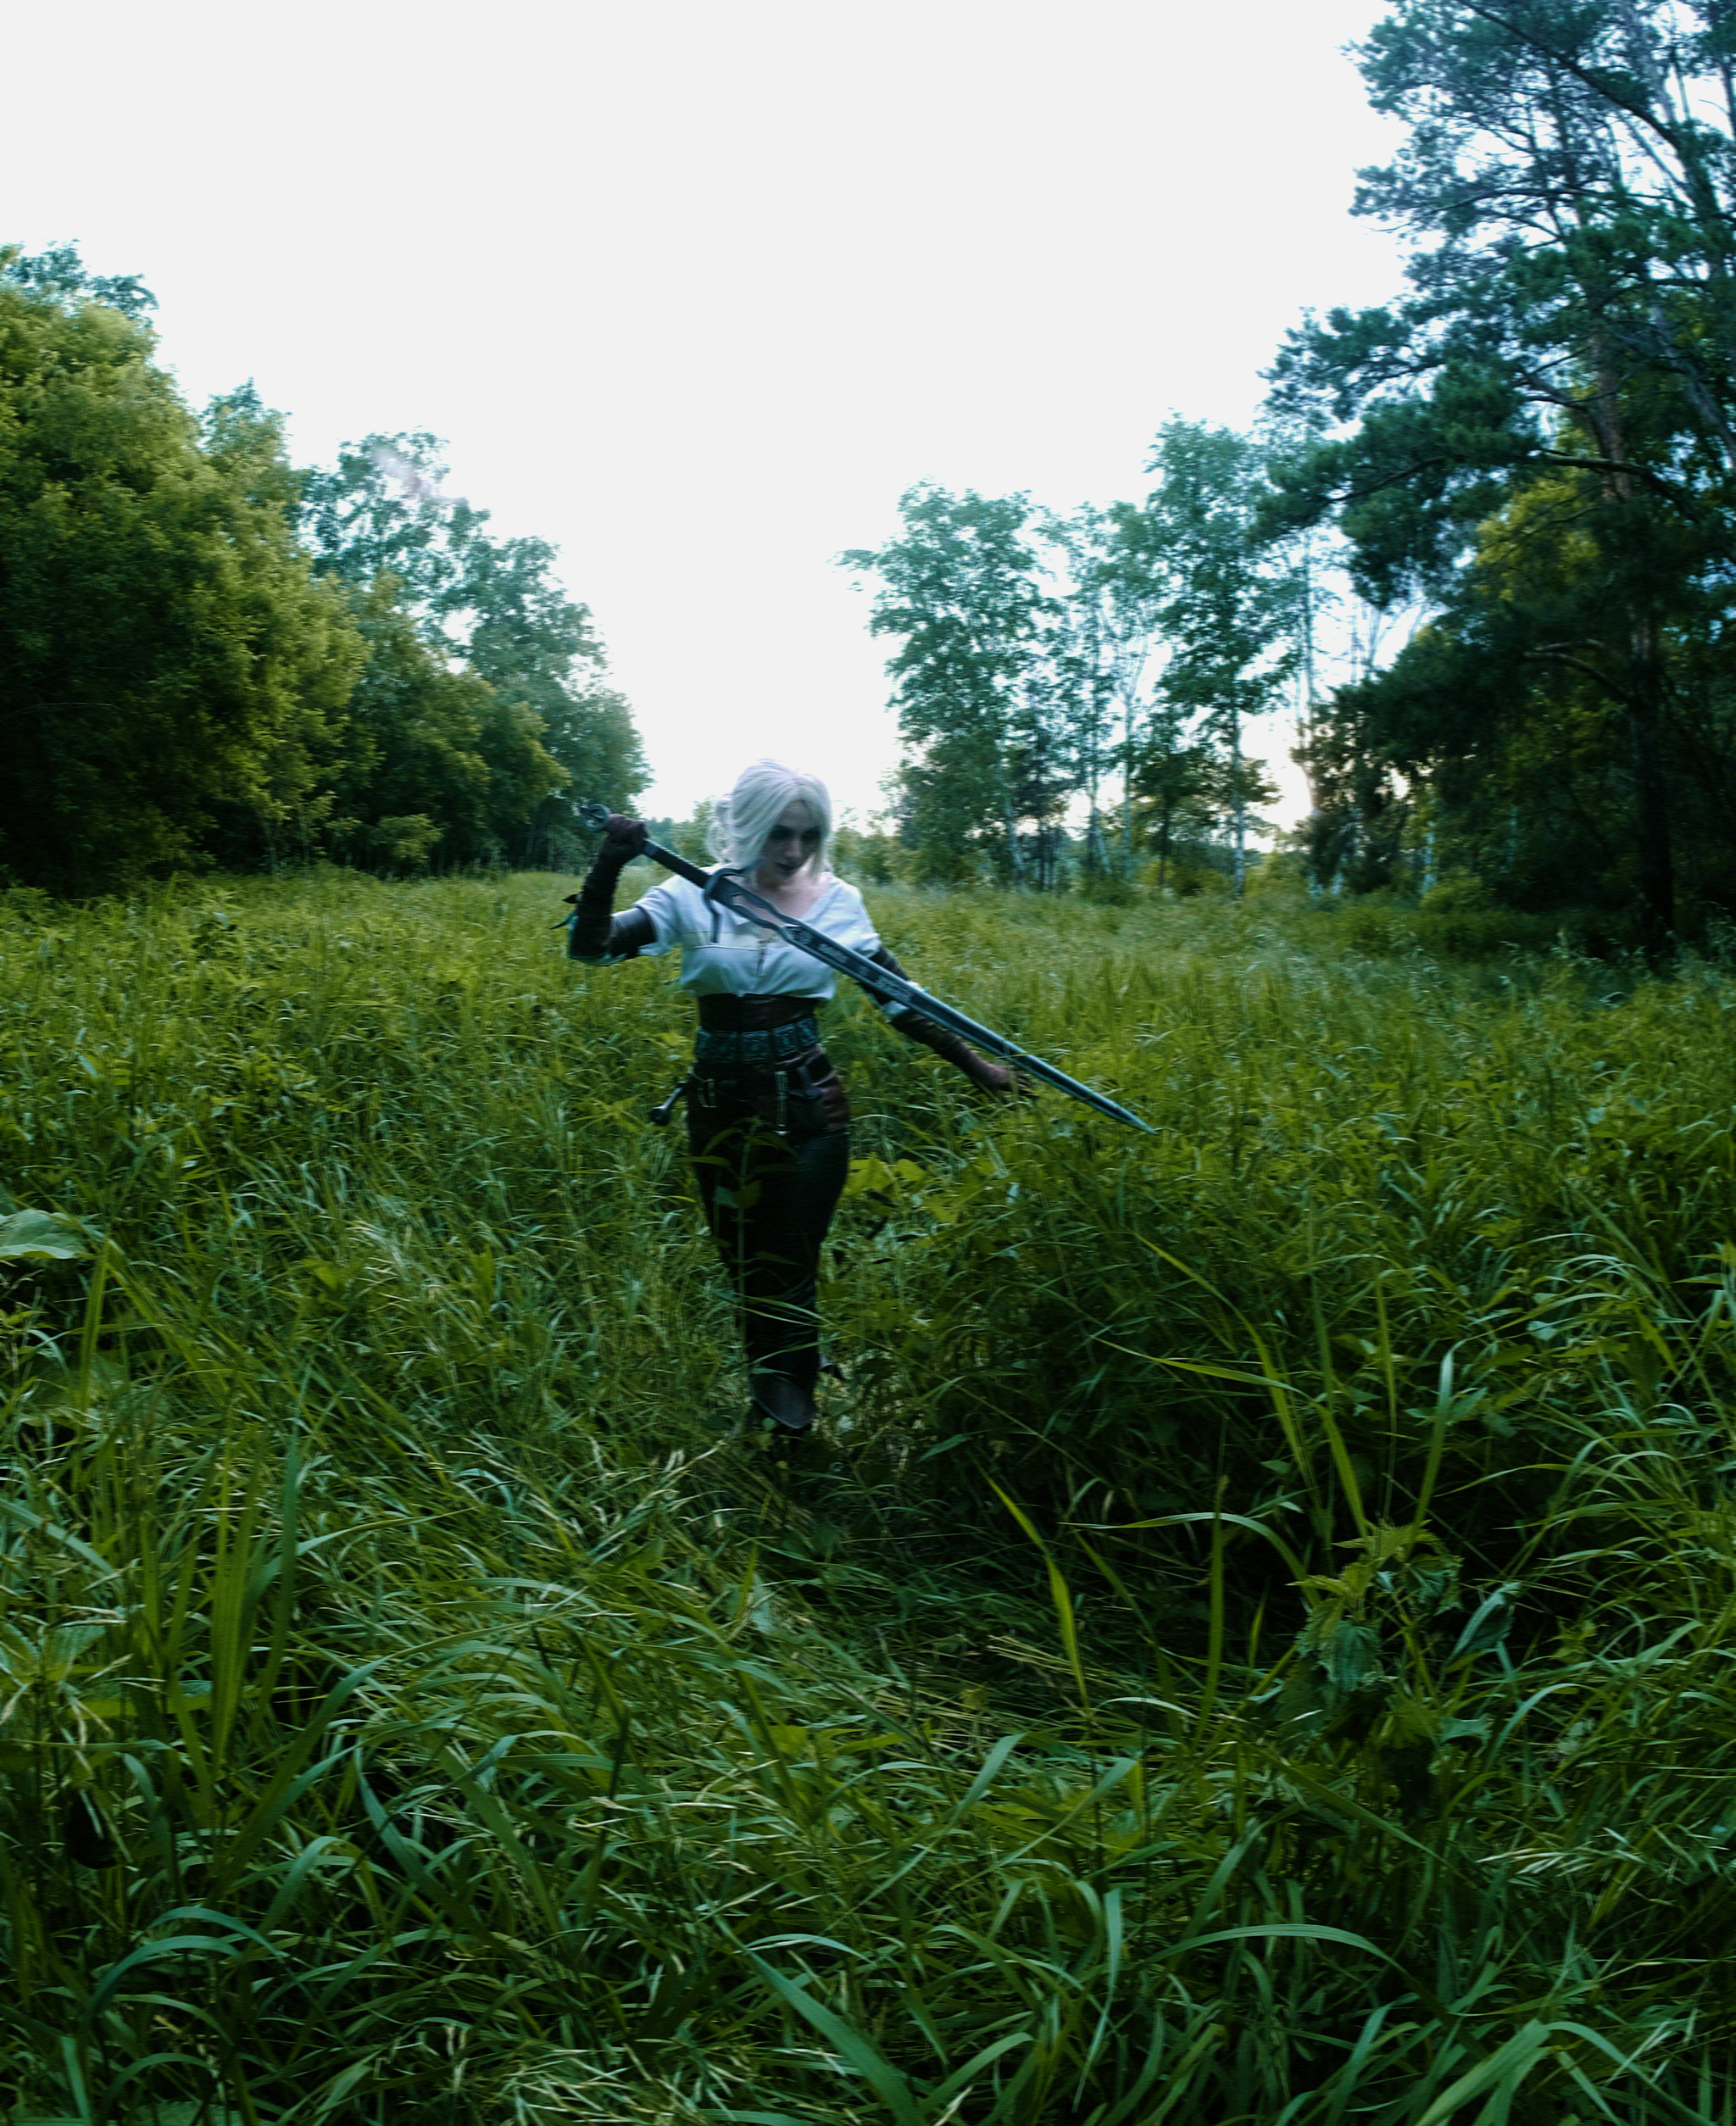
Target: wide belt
[
  {"x": 718, "y": 1052},
  {"x": 727, "y": 1013}
]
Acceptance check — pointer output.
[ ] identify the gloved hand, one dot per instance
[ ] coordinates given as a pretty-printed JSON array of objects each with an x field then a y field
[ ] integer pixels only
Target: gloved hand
[
  {"x": 623, "y": 839},
  {"x": 995, "y": 1077}
]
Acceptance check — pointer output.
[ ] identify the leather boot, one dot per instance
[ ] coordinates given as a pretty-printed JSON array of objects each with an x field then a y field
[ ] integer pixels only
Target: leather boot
[{"x": 788, "y": 1406}]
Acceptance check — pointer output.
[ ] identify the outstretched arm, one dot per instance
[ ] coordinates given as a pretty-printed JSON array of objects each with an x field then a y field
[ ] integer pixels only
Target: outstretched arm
[
  {"x": 953, "y": 1047},
  {"x": 595, "y": 932}
]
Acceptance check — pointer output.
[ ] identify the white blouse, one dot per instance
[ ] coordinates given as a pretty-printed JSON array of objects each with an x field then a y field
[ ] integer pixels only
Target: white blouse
[{"x": 726, "y": 954}]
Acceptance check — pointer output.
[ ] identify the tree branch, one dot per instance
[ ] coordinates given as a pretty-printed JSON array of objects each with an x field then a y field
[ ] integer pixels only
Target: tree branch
[
  {"x": 1561, "y": 654},
  {"x": 1670, "y": 490}
]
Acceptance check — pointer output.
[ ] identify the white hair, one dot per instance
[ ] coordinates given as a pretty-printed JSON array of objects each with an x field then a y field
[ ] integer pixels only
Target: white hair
[{"x": 740, "y": 822}]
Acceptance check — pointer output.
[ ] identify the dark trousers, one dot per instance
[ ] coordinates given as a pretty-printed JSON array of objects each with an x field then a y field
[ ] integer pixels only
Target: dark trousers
[{"x": 769, "y": 1200}]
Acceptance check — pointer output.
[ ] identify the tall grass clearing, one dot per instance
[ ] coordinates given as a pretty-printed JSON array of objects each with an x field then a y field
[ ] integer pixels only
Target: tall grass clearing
[{"x": 1251, "y": 1642}]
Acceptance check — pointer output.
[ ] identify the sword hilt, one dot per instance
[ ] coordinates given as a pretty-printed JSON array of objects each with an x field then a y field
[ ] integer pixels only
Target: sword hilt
[{"x": 661, "y": 1115}]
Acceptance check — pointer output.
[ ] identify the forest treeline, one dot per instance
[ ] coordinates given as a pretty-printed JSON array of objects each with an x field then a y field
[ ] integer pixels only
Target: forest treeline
[
  {"x": 1480, "y": 544},
  {"x": 1519, "y": 474},
  {"x": 207, "y": 654}
]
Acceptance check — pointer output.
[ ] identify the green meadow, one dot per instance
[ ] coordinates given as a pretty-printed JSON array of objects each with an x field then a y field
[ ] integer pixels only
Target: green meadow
[{"x": 1252, "y": 1641}]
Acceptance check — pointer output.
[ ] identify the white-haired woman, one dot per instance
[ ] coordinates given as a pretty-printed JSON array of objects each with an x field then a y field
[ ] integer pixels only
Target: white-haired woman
[{"x": 768, "y": 1118}]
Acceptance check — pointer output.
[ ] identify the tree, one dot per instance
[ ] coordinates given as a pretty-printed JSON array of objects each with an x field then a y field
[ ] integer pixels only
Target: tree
[
  {"x": 538, "y": 650},
  {"x": 587, "y": 730},
  {"x": 1223, "y": 608},
  {"x": 1170, "y": 788},
  {"x": 1568, "y": 185},
  {"x": 426, "y": 776},
  {"x": 58, "y": 276},
  {"x": 961, "y": 593},
  {"x": 1508, "y": 707},
  {"x": 1101, "y": 642},
  {"x": 552, "y": 725},
  {"x": 165, "y": 658}
]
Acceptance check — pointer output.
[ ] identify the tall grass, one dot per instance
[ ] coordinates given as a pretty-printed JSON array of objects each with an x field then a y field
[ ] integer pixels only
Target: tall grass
[{"x": 1250, "y": 1642}]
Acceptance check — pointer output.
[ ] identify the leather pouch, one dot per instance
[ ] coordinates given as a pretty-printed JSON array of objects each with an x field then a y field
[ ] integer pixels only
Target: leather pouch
[
  {"x": 800, "y": 1100},
  {"x": 815, "y": 1104},
  {"x": 803, "y": 1101}
]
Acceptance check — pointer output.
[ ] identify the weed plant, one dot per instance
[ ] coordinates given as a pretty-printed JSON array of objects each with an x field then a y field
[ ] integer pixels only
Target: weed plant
[{"x": 1250, "y": 1642}]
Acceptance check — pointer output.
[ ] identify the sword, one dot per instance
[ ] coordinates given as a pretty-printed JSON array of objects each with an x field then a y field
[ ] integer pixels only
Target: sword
[{"x": 727, "y": 889}]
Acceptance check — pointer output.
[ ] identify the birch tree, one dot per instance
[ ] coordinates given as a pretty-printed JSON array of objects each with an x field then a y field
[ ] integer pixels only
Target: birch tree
[
  {"x": 961, "y": 594},
  {"x": 1224, "y": 606},
  {"x": 1108, "y": 637}
]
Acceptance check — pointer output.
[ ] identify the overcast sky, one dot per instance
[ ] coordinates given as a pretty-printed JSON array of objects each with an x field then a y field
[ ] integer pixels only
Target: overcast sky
[{"x": 696, "y": 292}]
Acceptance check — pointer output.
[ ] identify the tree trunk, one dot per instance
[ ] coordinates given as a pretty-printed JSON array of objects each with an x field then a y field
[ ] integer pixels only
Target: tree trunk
[
  {"x": 1127, "y": 787},
  {"x": 1016, "y": 855},
  {"x": 1654, "y": 851},
  {"x": 1240, "y": 814},
  {"x": 1645, "y": 700}
]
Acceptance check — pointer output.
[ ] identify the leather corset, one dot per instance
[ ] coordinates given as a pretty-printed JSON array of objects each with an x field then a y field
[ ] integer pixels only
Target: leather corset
[{"x": 753, "y": 1015}]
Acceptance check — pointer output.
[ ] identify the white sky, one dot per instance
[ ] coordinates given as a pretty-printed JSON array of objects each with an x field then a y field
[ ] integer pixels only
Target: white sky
[{"x": 696, "y": 292}]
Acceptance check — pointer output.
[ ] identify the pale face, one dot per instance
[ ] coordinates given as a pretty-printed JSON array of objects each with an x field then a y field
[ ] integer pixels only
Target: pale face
[{"x": 793, "y": 843}]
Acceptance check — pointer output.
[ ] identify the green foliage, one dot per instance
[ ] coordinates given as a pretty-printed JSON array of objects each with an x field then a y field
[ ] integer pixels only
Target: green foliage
[
  {"x": 1527, "y": 751},
  {"x": 1098, "y": 640},
  {"x": 1223, "y": 606},
  {"x": 59, "y": 274},
  {"x": 433, "y": 745},
  {"x": 960, "y": 593},
  {"x": 691, "y": 836},
  {"x": 176, "y": 689},
  {"x": 1562, "y": 374},
  {"x": 166, "y": 664},
  {"x": 1022, "y": 650},
  {"x": 525, "y": 724},
  {"x": 871, "y": 855},
  {"x": 419, "y": 1706}
]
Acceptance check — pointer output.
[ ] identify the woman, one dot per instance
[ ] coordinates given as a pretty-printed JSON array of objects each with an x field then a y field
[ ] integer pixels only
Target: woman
[{"x": 767, "y": 1119}]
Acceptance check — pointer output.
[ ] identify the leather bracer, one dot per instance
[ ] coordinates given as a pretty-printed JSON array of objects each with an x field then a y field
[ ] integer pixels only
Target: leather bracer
[
  {"x": 595, "y": 932},
  {"x": 952, "y": 1048}
]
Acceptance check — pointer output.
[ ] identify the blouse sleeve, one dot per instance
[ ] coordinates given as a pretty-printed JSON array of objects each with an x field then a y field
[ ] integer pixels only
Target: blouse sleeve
[
  {"x": 660, "y": 912},
  {"x": 858, "y": 931}
]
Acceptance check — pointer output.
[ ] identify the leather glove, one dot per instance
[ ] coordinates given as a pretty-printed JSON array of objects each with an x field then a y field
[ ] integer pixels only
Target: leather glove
[
  {"x": 590, "y": 932},
  {"x": 995, "y": 1077},
  {"x": 623, "y": 839}
]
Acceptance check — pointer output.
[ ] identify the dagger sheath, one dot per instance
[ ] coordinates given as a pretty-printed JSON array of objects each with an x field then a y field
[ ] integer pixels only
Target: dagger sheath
[{"x": 727, "y": 889}]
